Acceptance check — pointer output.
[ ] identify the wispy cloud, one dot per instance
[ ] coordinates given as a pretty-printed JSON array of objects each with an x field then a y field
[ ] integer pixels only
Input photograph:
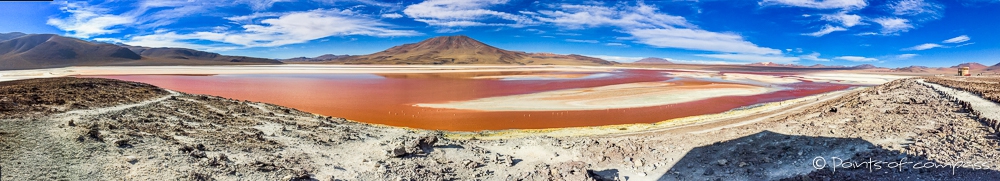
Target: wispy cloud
[
  {"x": 925, "y": 46},
  {"x": 392, "y": 15},
  {"x": 647, "y": 25},
  {"x": 462, "y": 13},
  {"x": 753, "y": 58},
  {"x": 582, "y": 41},
  {"x": 694, "y": 39},
  {"x": 85, "y": 20},
  {"x": 814, "y": 57},
  {"x": 856, "y": 58},
  {"x": 917, "y": 8},
  {"x": 958, "y": 39},
  {"x": 574, "y": 16},
  {"x": 819, "y": 4},
  {"x": 906, "y": 56},
  {"x": 616, "y": 44},
  {"x": 891, "y": 26},
  {"x": 290, "y": 28},
  {"x": 826, "y": 30},
  {"x": 843, "y": 18}
]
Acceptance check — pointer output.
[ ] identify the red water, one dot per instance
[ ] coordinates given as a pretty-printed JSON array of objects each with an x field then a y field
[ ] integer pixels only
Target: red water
[{"x": 388, "y": 99}]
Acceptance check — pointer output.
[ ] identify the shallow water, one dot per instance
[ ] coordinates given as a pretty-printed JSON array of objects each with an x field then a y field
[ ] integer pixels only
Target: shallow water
[{"x": 388, "y": 98}]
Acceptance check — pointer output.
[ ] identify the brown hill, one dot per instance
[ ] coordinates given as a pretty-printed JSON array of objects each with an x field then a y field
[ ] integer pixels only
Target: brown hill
[
  {"x": 48, "y": 51},
  {"x": 184, "y": 56},
  {"x": 915, "y": 69},
  {"x": 11, "y": 35},
  {"x": 321, "y": 58},
  {"x": 826, "y": 66},
  {"x": 772, "y": 64},
  {"x": 994, "y": 67},
  {"x": 973, "y": 66},
  {"x": 464, "y": 50},
  {"x": 654, "y": 60},
  {"x": 866, "y": 66}
]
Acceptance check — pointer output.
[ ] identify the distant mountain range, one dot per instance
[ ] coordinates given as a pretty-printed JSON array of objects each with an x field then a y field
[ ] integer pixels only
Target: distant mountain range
[
  {"x": 321, "y": 58},
  {"x": 48, "y": 51},
  {"x": 32, "y": 51},
  {"x": 653, "y": 60},
  {"x": 464, "y": 50},
  {"x": 857, "y": 67},
  {"x": 184, "y": 56},
  {"x": 972, "y": 66}
]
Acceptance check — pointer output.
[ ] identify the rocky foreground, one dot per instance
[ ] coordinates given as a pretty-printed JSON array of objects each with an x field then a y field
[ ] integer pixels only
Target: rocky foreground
[{"x": 99, "y": 129}]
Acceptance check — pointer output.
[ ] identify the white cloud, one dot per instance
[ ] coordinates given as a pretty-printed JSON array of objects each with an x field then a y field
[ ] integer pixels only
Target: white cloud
[
  {"x": 856, "y": 58},
  {"x": 291, "y": 28},
  {"x": 819, "y": 4},
  {"x": 847, "y": 20},
  {"x": 915, "y": 8},
  {"x": 460, "y": 13},
  {"x": 258, "y": 5},
  {"x": 585, "y": 16},
  {"x": 85, "y": 21},
  {"x": 906, "y": 56},
  {"x": 814, "y": 57},
  {"x": 616, "y": 44},
  {"x": 582, "y": 41},
  {"x": 753, "y": 58},
  {"x": 392, "y": 15},
  {"x": 958, "y": 39},
  {"x": 693, "y": 39},
  {"x": 648, "y": 26},
  {"x": 924, "y": 46},
  {"x": 893, "y": 25},
  {"x": 826, "y": 30}
]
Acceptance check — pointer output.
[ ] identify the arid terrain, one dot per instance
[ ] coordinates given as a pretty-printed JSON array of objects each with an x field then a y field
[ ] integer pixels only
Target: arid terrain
[{"x": 115, "y": 130}]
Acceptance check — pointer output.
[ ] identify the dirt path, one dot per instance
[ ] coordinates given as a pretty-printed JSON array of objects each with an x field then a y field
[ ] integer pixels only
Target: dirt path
[{"x": 987, "y": 109}]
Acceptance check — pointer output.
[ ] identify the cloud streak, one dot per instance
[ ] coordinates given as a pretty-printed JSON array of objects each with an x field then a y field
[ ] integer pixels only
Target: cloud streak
[{"x": 856, "y": 58}]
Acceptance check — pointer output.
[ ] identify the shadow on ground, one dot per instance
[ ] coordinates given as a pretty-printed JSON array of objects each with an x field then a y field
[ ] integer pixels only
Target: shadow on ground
[{"x": 774, "y": 156}]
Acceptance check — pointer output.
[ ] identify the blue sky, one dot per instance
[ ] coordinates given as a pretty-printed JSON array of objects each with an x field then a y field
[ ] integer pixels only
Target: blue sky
[{"x": 893, "y": 33}]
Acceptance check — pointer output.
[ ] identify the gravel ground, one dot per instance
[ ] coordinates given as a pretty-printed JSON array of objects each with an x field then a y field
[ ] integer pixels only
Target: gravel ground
[{"x": 164, "y": 135}]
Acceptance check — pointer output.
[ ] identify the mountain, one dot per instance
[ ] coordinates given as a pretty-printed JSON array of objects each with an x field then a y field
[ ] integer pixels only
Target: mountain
[
  {"x": 464, "y": 50},
  {"x": 914, "y": 68},
  {"x": 994, "y": 67},
  {"x": 321, "y": 58},
  {"x": 11, "y": 35},
  {"x": 866, "y": 66},
  {"x": 972, "y": 66},
  {"x": 48, "y": 51},
  {"x": 826, "y": 66},
  {"x": 653, "y": 60},
  {"x": 772, "y": 64},
  {"x": 184, "y": 56}
]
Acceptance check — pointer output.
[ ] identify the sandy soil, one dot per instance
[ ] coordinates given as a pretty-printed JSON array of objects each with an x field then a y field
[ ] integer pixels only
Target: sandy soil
[{"x": 630, "y": 95}]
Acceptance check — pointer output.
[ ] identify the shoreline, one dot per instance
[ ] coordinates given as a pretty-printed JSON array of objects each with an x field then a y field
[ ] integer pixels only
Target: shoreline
[{"x": 637, "y": 128}]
